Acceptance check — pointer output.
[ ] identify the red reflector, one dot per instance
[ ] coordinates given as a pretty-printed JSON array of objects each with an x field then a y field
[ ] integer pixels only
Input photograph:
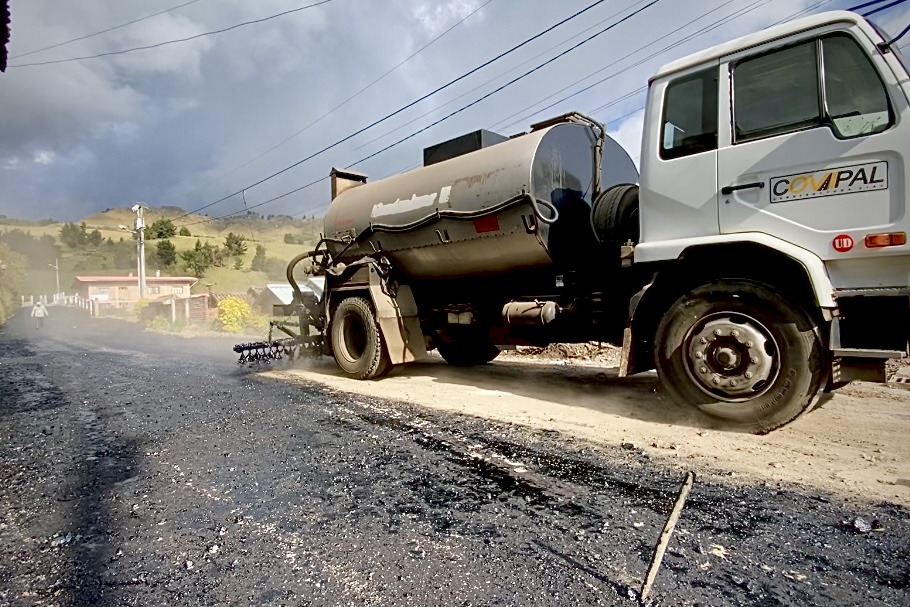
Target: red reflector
[
  {"x": 893, "y": 239},
  {"x": 490, "y": 223}
]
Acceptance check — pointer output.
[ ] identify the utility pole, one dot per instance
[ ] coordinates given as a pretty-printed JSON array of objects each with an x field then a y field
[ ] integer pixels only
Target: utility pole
[
  {"x": 56, "y": 266},
  {"x": 139, "y": 209}
]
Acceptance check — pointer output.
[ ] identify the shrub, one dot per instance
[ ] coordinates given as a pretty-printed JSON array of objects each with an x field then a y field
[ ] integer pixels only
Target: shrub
[
  {"x": 139, "y": 306},
  {"x": 160, "y": 323},
  {"x": 234, "y": 314}
]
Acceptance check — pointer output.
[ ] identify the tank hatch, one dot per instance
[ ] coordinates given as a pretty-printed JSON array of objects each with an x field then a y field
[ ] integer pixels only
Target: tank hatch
[{"x": 459, "y": 146}]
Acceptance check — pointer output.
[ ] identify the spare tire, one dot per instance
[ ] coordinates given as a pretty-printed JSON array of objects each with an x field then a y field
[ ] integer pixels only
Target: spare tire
[{"x": 614, "y": 215}]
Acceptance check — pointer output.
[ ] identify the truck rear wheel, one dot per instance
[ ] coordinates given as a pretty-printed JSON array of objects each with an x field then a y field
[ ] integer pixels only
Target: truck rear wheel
[
  {"x": 466, "y": 349},
  {"x": 357, "y": 343},
  {"x": 741, "y": 354}
]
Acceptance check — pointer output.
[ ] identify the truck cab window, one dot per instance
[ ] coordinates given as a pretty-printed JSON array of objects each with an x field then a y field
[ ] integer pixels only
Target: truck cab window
[
  {"x": 776, "y": 93},
  {"x": 856, "y": 99},
  {"x": 781, "y": 92},
  {"x": 690, "y": 115}
]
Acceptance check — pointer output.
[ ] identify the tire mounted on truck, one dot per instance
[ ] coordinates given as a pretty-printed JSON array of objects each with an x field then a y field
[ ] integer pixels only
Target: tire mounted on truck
[
  {"x": 741, "y": 354},
  {"x": 356, "y": 340}
]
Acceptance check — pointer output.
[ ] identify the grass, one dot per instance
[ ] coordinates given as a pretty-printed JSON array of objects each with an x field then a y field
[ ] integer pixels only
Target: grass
[{"x": 269, "y": 233}]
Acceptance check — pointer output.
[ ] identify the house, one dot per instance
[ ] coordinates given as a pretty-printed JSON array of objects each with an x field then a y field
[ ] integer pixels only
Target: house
[{"x": 123, "y": 291}]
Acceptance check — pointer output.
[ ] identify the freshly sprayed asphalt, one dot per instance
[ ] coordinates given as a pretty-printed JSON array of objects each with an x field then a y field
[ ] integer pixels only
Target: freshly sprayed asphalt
[{"x": 144, "y": 469}]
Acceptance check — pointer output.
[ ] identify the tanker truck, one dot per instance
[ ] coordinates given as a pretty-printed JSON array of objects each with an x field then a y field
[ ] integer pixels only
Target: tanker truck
[{"x": 758, "y": 260}]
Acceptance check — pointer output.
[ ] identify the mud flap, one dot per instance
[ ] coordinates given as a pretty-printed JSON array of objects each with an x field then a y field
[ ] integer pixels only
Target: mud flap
[
  {"x": 398, "y": 322},
  {"x": 625, "y": 364}
]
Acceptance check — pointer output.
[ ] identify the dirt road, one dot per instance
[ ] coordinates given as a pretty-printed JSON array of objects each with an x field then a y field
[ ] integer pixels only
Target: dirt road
[
  {"x": 141, "y": 469},
  {"x": 855, "y": 445}
]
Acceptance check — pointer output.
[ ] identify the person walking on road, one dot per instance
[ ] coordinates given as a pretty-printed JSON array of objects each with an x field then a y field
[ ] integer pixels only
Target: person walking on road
[{"x": 39, "y": 313}]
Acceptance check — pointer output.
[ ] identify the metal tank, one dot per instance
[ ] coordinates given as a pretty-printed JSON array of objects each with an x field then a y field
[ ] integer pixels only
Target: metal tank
[{"x": 520, "y": 204}]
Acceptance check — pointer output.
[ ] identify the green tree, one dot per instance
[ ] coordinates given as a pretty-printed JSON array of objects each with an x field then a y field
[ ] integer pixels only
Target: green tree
[
  {"x": 238, "y": 263},
  {"x": 184, "y": 231},
  {"x": 166, "y": 253},
  {"x": 199, "y": 259},
  {"x": 234, "y": 245},
  {"x": 95, "y": 238},
  {"x": 73, "y": 236},
  {"x": 259, "y": 259},
  {"x": 161, "y": 228},
  {"x": 38, "y": 251}
]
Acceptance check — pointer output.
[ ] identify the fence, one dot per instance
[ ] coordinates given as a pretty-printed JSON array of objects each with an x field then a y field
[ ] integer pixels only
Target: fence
[{"x": 193, "y": 310}]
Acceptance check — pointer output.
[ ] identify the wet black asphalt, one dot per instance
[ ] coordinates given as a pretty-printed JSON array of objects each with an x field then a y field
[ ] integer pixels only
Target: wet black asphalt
[{"x": 146, "y": 469}]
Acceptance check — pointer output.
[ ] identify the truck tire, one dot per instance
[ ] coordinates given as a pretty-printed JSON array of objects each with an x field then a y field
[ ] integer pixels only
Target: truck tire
[
  {"x": 615, "y": 215},
  {"x": 357, "y": 343},
  {"x": 741, "y": 354},
  {"x": 467, "y": 349}
]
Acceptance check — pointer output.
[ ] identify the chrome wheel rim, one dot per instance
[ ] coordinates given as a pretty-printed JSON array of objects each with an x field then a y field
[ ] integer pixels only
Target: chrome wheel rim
[{"x": 731, "y": 356}]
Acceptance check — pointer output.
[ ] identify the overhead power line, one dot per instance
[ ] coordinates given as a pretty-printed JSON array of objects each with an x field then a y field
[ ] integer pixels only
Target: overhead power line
[
  {"x": 624, "y": 57},
  {"x": 704, "y": 30},
  {"x": 475, "y": 102},
  {"x": 494, "y": 78},
  {"x": 351, "y": 98},
  {"x": 595, "y": 111},
  {"x": 399, "y": 110},
  {"x": 160, "y": 44},
  {"x": 104, "y": 31},
  {"x": 509, "y": 83},
  {"x": 883, "y": 8}
]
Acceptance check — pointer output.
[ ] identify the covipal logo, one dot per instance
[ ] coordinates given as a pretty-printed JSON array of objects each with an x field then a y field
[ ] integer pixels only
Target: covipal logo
[{"x": 830, "y": 182}]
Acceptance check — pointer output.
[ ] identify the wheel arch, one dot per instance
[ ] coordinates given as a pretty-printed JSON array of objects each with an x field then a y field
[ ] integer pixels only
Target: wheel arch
[
  {"x": 394, "y": 306},
  {"x": 704, "y": 263}
]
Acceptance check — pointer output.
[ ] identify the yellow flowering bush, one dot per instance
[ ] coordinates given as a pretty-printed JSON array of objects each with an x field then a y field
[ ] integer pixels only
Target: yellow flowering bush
[{"x": 234, "y": 314}]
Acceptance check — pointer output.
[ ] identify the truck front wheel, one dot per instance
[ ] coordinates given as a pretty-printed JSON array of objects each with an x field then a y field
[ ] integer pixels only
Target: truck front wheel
[
  {"x": 357, "y": 342},
  {"x": 741, "y": 354}
]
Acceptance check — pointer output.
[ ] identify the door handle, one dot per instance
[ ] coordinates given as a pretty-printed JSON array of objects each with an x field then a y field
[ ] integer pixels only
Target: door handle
[{"x": 727, "y": 190}]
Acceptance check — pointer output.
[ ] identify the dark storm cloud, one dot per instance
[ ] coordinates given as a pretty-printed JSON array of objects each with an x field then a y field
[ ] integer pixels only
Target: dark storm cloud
[{"x": 170, "y": 125}]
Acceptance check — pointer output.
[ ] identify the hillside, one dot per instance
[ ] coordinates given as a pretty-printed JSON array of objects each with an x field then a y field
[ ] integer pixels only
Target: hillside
[{"x": 117, "y": 253}]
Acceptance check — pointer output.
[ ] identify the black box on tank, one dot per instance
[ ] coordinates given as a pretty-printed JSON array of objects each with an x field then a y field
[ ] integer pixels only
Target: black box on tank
[{"x": 465, "y": 144}]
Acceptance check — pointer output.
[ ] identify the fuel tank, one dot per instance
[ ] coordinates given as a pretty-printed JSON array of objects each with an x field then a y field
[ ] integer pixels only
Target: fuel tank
[{"x": 520, "y": 204}]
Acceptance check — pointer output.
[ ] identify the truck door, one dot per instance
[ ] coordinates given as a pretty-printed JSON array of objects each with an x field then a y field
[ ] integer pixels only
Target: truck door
[{"x": 815, "y": 151}]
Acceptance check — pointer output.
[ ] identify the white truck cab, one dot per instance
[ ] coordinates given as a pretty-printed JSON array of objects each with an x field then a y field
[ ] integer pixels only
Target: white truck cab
[{"x": 781, "y": 158}]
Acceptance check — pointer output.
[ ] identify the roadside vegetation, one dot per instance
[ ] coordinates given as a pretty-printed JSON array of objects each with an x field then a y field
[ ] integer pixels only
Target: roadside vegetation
[
  {"x": 13, "y": 267},
  {"x": 228, "y": 255}
]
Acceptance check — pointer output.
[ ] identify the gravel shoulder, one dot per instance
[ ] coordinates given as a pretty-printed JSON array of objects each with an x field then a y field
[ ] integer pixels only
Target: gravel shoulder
[{"x": 854, "y": 445}]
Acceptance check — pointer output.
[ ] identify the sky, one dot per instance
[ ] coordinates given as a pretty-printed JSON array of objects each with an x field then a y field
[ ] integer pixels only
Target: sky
[{"x": 189, "y": 123}]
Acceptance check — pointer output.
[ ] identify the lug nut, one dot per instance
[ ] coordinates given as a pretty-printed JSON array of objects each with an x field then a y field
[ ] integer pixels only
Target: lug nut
[
  {"x": 732, "y": 383},
  {"x": 749, "y": 344},
  {"x": 703, "y": 370},
  {"x": 717, "y": 332},
  {"x": 716, "y": 381},
  {"x": 699, "y": 355},
  {"x": 734, "y": 333},
  {"x": 754, "y": 360},
  {"x": 749, "y": 375},
  {"x": 704, "y": 340}
]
